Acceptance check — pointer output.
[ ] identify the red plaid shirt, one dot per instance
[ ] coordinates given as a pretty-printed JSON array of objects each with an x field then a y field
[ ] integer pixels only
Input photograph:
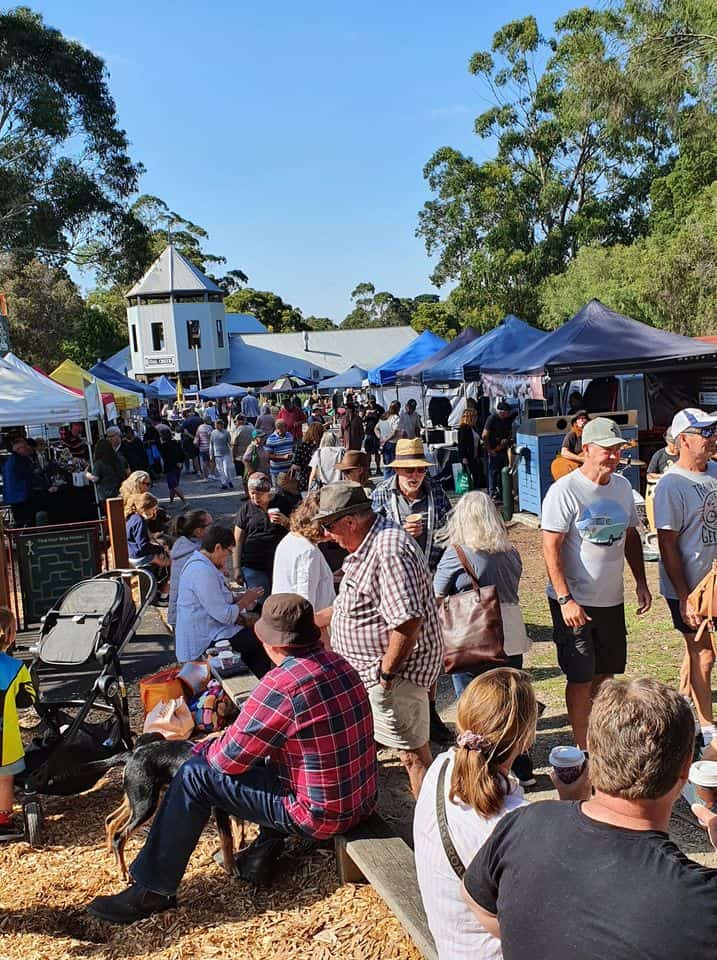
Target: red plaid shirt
[{"x": 312, "y": 718}]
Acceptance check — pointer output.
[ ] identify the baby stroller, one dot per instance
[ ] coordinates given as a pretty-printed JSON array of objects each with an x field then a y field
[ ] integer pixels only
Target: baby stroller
[{"x": 90, "y": 624}]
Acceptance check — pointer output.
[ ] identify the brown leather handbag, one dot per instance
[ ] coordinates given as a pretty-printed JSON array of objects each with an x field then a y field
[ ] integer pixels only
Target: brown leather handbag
[
  {"x": 472, "y": 626},
  {"x": 704, "y": 600}
]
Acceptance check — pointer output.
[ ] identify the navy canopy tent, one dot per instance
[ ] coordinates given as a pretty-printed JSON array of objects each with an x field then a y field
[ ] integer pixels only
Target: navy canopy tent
[
  {"x": 222, "y": 390},
  {"x": 499, "y": 345},
  {"x": 162, "y": 388},
  {"x": 103, "y": 371},
  {"x": 424, "y": 346},
  {"x": 423, "y": 371},
  {"x": 350, "y": 379},
  {"x": 598, "y": 342}
]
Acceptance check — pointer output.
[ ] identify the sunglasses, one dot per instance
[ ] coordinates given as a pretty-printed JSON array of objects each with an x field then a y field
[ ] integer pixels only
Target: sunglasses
[
  {"x": 414, "y": 469},
  {"x": 704, "y": 432},
  {"x": 327, "y": 527}
]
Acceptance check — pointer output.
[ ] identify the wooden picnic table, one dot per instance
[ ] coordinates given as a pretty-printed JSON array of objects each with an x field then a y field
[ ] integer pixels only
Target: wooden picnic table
[{"x": 237, "y": 688}]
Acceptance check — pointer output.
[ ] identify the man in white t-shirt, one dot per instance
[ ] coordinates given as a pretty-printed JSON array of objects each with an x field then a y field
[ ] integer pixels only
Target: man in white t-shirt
[
  {"x": 686, "y": 523},
  {"x": 588, "y": 521}
]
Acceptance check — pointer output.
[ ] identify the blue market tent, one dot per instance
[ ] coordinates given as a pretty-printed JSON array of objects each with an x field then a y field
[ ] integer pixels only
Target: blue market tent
[
  {"x": 424, "y": 346},
  {"x": 222, "y": 390},
  {"x": 103, "y": 371},
  {"x": 499, "y": 345},
  {"x": 350, "y": 379},
  {"x": 423, "y": 371},
  {"x": 598, "y": 342},
  {"x": 162, "y": 388}
]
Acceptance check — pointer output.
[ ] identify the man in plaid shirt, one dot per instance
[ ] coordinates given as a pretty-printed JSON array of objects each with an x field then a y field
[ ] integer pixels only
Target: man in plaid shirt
[
  {"x": 385, "y": 621},
  {"x": 300, "y": 760}
]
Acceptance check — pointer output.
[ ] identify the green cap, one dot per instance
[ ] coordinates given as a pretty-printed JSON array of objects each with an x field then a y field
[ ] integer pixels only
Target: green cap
[{"x": 603, "y": 433}]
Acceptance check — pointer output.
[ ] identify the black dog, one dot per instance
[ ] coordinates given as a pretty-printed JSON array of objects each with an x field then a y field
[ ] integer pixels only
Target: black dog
[{"x": 148, "y": 769}]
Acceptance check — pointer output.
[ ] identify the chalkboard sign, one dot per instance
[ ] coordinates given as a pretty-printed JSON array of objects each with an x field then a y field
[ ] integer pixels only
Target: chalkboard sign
[{"x": 51, "y": 563}]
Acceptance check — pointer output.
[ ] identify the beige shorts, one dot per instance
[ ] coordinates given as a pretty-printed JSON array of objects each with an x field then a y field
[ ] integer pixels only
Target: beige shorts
[{"x": 400, "y": 715}]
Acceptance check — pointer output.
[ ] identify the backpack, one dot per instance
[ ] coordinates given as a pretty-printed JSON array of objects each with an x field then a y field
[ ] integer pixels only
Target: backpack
[{"x": 704, "y": 600}]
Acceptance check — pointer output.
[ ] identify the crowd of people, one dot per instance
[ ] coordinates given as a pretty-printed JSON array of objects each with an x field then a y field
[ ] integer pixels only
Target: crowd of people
[{"x": 335, "y": 602}]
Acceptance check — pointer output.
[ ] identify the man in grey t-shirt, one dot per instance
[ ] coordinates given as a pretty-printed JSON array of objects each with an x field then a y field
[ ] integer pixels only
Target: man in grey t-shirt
[
  {"x": 588, "y": 521},
  {"x": 686, "y": 522}
]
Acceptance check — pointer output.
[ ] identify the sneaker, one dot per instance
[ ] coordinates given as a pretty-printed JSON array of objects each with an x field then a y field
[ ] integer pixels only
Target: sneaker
[
  {"x": 224, "y": 487},
  {"x": 523, "y": 770},
  {"x": 134, "y": 903},
  {"x": 230, "y": 485}
]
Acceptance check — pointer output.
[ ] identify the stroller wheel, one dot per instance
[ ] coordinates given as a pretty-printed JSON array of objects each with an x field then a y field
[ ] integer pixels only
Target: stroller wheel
[{"x": 32, "y": 814}]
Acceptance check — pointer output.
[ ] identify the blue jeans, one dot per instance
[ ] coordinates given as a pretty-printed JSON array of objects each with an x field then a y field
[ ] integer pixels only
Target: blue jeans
[
  {"x": 496, "y": 462},
  {"x": 257, "y": 578},
  {"x": 389, "y": 455},
  {"x": 461, "y": 680},
  {"x": 197, "y": 787}
]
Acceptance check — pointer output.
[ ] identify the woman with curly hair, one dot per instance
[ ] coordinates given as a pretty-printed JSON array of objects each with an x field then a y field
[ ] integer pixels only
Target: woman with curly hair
[{"x": 299, "y": 565}]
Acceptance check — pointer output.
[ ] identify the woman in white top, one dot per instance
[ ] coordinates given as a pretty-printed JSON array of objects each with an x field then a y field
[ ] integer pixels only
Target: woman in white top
[
  {"x": 299, "y": 565},
  {"x": 387, "y": 432},
  {"x": 496, "y": 719},
  {"x": 323, "y": 462}
]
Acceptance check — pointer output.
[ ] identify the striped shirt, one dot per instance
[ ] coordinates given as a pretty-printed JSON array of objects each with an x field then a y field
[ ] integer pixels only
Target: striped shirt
[
  {"x": 311, "y": 717},
  {"x": 280, "y": 446},
  {"x": 386, "y": 583}
]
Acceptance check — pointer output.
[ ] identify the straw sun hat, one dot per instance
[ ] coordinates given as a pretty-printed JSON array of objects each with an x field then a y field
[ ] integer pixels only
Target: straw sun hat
[{"x": 409, "y": 453}]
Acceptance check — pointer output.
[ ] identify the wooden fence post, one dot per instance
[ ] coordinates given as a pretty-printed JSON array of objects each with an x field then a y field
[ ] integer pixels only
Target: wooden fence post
[{"x": 118, "y": 533}]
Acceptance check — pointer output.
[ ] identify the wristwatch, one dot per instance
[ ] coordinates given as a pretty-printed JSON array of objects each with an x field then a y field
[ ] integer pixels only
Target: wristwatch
[
  {"x": 563, "y": 600},
  {"x": 386, "y": 677}
]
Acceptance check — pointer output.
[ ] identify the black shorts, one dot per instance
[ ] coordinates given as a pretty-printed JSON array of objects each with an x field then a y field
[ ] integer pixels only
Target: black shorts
[
  {"x": 677, "y": 622},
  {"x": 598, "y": 647}
]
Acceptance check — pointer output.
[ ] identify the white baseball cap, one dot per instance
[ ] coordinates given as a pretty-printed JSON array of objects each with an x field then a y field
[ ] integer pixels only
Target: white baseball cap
[{"x": 689, "y": 418}]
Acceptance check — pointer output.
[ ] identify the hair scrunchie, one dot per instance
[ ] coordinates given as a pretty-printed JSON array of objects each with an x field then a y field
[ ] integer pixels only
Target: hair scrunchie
[{"x": 474, "y": 741}]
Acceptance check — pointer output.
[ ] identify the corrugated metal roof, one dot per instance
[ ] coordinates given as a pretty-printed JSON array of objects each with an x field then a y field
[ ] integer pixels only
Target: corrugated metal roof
[
  {"x": 243, "y": 323},
  {"x": 258, "y": 358},
  {"x": 173, "y": 273}
]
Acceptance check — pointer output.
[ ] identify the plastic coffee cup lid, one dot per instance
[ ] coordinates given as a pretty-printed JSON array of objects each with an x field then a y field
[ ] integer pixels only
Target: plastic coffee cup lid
[
  {"x": 273, "y": 510},
  {"x": 704, "y": 773},
  {"x": 567, "y": 757}
]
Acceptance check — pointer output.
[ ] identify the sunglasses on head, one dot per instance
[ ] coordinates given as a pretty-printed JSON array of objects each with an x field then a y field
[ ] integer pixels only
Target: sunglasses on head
[{"x": 705, "y": 432}]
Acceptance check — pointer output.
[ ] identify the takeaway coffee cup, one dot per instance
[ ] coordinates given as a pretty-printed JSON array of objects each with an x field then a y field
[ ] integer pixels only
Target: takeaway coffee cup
[
  {"x": 703, "y": 776},
  {"x": 415, "y": 518},
  {"x": 568, "y": 763}
]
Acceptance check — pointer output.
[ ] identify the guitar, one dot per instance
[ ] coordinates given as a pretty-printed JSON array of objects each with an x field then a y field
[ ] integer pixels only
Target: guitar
[{"x": 561, "y": 466}]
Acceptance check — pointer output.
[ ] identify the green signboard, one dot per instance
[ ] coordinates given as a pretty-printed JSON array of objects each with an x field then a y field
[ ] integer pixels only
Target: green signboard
[{"x": 51, "y": 562}]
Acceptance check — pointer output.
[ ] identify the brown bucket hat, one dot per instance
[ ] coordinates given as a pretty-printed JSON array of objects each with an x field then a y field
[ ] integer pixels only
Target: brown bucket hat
[
  {"x": 409, "y": 453},
  {"x": 287, "y": 620},
  {"x": 339, "y": 499},
  {"x": 353, "y": 459}
]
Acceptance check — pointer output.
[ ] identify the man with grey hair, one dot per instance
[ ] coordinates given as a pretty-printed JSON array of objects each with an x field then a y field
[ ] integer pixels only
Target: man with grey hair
[
  {"x": 385, "y": 621},
  {"x": 612, "y": 883},
  {"x": 589, "y": 529},
  {"x": 250, "y": 407}
]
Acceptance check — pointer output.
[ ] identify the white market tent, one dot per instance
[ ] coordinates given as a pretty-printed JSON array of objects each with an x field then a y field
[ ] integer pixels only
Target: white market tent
[{"x": 27, "y": 396}]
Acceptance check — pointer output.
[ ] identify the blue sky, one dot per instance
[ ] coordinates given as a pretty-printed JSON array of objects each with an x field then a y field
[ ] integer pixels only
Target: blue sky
[{"x": 296, "y": 134}]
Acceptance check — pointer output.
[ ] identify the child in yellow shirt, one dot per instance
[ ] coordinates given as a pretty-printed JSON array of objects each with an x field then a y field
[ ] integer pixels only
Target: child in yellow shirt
[{"x": 16, "y": 690}]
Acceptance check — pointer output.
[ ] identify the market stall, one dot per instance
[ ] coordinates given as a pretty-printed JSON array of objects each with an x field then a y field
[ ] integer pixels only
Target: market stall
[{"x": 70, "y": 374}]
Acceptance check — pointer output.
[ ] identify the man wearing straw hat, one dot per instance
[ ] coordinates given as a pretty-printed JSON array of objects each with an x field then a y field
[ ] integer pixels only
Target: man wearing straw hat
[{"x": 384, "y": 621}]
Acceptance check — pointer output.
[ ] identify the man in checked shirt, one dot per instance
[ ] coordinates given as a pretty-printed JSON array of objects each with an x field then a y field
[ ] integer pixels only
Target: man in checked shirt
[
  {"x": 299, "y": 760},
  {"x": 385, "y": 621}
]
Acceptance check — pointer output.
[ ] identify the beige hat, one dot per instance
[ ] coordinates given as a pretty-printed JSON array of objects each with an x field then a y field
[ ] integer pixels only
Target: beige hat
[{"x": 409, "y": 453}]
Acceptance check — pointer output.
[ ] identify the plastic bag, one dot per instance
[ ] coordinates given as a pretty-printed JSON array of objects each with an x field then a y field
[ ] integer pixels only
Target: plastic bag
[
  {"x": 170, "y": 718},
  {"x": 463, "y": 482}
]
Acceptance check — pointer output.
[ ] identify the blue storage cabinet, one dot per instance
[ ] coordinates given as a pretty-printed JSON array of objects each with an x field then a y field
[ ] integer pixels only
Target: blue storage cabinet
[{"x": 534, "y": 475}]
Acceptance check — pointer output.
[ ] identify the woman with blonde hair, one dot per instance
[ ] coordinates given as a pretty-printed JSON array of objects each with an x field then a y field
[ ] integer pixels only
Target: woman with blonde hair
[
  {"x": 299, "y": 565},
  {"x": 472, "y": 788},
  {"x": 476, "y": 526},
  {"x": 139, "y": 481}
]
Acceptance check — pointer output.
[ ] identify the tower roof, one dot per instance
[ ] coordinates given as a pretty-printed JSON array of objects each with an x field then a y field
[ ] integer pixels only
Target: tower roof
[{"x": 173, "y": 273}]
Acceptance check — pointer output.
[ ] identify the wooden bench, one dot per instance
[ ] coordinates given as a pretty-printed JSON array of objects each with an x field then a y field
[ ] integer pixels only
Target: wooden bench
[{"x": 373, "y": 853}]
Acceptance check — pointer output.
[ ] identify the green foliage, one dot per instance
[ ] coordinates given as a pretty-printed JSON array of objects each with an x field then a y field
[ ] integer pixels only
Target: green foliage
[
  {"x": 66, "y": 172},
  {"x": 582, "y": 134},
  {"x": 269, "y": 308},
  {"x": 44, "y": 308},
  {"x": 95, "y": 336},
  {"x": 382, "y": 309},
  {"x": 669, "y": 281}
]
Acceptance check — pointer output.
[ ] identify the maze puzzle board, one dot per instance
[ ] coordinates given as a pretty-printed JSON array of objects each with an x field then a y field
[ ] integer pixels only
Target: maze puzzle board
[{"x": 52, "y": 562}]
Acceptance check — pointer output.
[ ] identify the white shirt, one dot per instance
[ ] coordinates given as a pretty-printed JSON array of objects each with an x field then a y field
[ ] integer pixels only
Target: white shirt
[
  {"x": 300, "y": 567},
  {"x": 324, "y": 461},
  {"x": 457, "y": 933}
]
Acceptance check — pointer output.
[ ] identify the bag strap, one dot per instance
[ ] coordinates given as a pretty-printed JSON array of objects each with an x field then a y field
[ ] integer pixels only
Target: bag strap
[
  {"x": 450, "y": 851},
  {"x": 467, "y": 567}
]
